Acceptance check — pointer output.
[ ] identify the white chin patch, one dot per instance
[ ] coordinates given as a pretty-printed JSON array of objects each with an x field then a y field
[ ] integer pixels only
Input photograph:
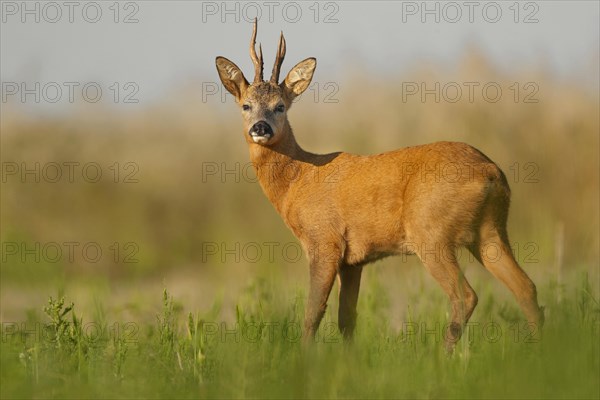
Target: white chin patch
[{"x": 261, "y": 139}]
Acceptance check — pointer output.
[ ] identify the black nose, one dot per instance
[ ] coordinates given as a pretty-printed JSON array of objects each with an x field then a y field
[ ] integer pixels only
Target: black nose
[{"x": 261, "y": 128}]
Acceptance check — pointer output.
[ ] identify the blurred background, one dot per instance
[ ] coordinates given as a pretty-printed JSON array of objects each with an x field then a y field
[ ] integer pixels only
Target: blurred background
[{"x": 125, "y": 170}]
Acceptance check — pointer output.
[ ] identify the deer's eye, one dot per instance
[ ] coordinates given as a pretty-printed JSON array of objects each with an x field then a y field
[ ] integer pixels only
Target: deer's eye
[
  {"x": 245, "y": 107},
  {"x": 280, "y": 108}
]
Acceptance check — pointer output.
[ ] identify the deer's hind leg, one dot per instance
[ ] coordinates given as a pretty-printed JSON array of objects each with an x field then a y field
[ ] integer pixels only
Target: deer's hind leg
[
  {"x": 444, "y": 268},
  {"x": 494, "y": 252}
]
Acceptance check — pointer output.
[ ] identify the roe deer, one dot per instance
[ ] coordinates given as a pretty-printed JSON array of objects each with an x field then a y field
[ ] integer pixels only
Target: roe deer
[{"x": 374, "y": 206}]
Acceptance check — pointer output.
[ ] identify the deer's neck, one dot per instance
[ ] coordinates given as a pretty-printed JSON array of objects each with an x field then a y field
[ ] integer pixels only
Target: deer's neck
[{"x": 279, "y": 166}]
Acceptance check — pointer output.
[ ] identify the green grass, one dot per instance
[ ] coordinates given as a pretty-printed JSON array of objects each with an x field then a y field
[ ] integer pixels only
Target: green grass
[{"x": 260, "y": 354}]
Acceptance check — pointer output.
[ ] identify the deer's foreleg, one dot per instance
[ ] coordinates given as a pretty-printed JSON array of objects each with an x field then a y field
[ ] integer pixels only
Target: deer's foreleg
[
  {"x": 349, "y": 277},
  {"x": 323, "y": 270}
]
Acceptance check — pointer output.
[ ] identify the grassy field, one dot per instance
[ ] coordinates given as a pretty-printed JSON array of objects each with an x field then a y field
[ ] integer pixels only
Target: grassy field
[
  {"x": 177, "y": 208},
  {"x": 260, "y": 353}
]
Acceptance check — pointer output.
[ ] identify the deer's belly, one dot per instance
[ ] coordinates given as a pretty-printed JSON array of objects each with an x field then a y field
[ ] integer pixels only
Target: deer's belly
[{"x": 373, "y": 240}]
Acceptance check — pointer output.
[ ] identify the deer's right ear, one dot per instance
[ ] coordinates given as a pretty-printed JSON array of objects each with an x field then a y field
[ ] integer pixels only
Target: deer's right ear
[{"x": 232, "y": 77}]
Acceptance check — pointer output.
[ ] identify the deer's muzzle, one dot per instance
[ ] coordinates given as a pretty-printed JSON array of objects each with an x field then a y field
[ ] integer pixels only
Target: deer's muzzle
[{"x": 261, "y": 132}]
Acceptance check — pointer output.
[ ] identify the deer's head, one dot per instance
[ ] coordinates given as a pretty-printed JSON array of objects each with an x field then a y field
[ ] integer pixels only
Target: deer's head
[{"x": 265, "y": 103}]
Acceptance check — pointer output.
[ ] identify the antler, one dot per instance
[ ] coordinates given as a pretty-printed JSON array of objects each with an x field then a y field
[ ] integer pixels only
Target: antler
[
  {"x": 257, "y": 60},
  {"x": 278, "y": 59}
]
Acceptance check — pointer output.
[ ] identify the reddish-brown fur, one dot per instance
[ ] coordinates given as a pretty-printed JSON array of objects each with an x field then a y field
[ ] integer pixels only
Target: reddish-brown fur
[{"x": 348, "y": 210}]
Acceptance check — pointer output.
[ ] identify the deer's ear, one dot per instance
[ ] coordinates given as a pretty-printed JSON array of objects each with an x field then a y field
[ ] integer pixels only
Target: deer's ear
[
  {"x": 231, "y": 77},
  {"x": 299, "y": 77}
]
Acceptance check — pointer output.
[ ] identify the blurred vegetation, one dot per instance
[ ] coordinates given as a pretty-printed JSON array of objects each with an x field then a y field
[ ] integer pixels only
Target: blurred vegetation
[{"x": 183, "y": 176}]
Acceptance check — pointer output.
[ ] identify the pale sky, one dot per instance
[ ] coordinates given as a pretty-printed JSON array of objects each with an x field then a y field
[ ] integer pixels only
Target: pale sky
[{"x": 165, "y": 43}]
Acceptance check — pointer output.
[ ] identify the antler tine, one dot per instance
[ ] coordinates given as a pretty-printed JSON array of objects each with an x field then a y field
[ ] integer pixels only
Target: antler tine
[
  {"x": 278, "y": 59},
  {"x": 257, "y": 60}
]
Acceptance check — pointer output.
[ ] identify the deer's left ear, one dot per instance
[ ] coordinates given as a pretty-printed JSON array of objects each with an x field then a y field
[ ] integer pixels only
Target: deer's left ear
[
  {"x": 299, "y": 77},
  {"x": 232, "y": 77}
]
